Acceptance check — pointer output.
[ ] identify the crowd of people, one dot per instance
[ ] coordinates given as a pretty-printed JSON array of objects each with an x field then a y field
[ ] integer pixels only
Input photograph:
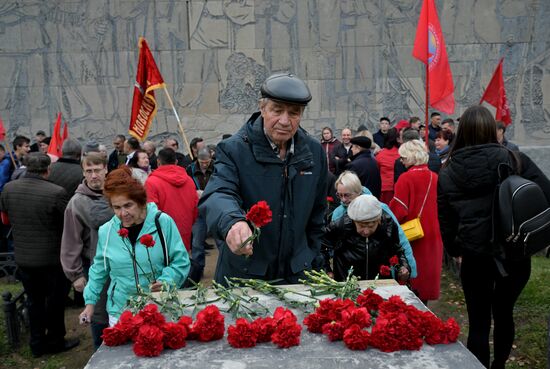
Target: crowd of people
[{"x": 136, "y": 221}]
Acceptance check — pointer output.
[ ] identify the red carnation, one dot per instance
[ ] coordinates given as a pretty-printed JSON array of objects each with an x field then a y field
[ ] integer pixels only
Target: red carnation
[
  {"x": 453, "y": 330},
  {"x": 264, "y": 328},
  {"x": 113, "y": 336},
  {"x": 174, "y": 335},
  {"x": 355, "y": 338},
  {"x": 334, "y": 331},
  {"x": 151, "y": 315},
  {"x": 259, "y": 214},
  {"x": 314, "y": 322},
  {"x": 394, "y": 332},
  {"x": 129, "y": 324},
  {"x": 392, "y": 305},
  {"x": 187, "y": 322},
  {"x": 330, "y": 199},
  {"x": 281, "y": 313},
  {"x": 147, "y": 240},
  {"x": 332, "y": 309},
  {"x": 123, "y": 232},
  {"x": 385, "y": 271},
  {"x": 149, "y": 341},
  {"x": 356, "y": 316},
  {"x": 209, "y": 325},
  {"x": 242, "y": 334},
  {"x": 287, "y": 333},
  {"x": 435, "y": 332},
  {"x": 394, "y": 260},
  {"x": 369, "y": 299}
]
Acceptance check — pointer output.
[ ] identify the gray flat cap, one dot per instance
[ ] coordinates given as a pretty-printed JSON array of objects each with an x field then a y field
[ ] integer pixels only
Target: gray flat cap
[{"x": 286, "y": 88}]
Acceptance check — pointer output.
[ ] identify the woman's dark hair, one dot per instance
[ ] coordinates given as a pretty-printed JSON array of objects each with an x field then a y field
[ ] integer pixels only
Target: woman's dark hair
[
  {"x": 390, "y": 141},
  {"x": 445, "y": 135},
  {"x": 477, "y": 127},
  {"x": 133, "y": 162},
  {"x": 121, "y": 182}
]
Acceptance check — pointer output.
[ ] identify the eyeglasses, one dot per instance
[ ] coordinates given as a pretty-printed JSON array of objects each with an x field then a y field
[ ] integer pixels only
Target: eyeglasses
[{"x": 344, "y": 195}]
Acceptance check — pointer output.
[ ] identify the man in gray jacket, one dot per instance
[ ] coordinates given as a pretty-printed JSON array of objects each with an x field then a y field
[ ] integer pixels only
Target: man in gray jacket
[
  {"x": 34, "y": 207},
  {"x": 85, "y": 213},
  {"x": 271, "y": 159}
]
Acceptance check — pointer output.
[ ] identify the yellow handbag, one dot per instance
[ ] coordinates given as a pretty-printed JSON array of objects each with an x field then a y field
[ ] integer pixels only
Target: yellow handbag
[{"x": 413, "y": 228}]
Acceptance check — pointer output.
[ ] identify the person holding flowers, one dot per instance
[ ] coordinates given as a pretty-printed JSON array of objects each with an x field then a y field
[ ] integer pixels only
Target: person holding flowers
[
  {"x": 367, "y": 239},
  {"x": 269, "y": 159},
  {"x": 140, "y": 248}
]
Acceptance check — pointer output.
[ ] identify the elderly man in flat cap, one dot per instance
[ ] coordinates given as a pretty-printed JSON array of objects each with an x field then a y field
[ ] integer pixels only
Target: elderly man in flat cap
[
  {"x": 364, "y": 165},
  {"x": 272, "y": 159}
]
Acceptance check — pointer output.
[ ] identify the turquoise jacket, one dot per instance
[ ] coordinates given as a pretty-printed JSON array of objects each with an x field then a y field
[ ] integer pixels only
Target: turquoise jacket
[
  {"x": 113, "y": 260},
  {"x": 341, "y": 210}
]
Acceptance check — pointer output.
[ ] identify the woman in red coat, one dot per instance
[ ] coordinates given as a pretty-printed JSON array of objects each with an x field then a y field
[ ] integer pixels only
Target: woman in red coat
[
  {"x": 416, "y": 193},
  {"x": 386, "y": 160}
]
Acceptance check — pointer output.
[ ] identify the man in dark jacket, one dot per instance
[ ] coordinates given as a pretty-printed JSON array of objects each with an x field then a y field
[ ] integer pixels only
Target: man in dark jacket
[
  {"x": 86, "y": 211},
  {"x": 117, "y": 157},
  {"x": 35, "y": 208},
  {"x": 342, "y": 152},
  {"x": 67, "y": 172},
  {"x": 271, "y": 159},
  {"x": 380, "y": 136},
  {"x": 200, "y": 171},
  {"x": 364, "y": 165}
]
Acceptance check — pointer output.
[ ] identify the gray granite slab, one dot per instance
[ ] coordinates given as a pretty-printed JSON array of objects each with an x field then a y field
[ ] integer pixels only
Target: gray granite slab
[{"x": 315, "y": 351}]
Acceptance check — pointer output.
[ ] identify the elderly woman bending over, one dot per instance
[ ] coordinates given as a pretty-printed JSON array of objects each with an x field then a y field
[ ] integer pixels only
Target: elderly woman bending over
[
  {"x": 130, "y": 249},
  {"x": 366, "y": 238}
]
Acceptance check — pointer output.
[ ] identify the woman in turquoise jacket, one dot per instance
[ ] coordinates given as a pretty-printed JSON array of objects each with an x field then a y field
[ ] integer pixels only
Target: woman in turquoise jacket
[
  {"x": 129, "y": 248},
  {"x": 348, "y": 187}
]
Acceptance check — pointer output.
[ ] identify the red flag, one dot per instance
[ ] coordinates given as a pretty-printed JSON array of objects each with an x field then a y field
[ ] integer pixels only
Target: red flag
[
  {"x": 495, "y": 95},
  {"x": 56, "y": 140},
  {"x": 65, "y": 133},
  {"x": 144, "y": 105},
  {"x": 2, "y": 131},
  {"x": 429, "y": 48}
]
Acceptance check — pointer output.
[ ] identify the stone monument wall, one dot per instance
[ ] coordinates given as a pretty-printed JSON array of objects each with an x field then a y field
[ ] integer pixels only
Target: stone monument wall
[{"x": 79, "y": 57}]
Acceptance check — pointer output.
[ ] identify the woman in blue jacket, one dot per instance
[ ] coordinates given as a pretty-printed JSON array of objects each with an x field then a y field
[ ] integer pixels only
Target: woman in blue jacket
[{"x": 129, "y": 248}]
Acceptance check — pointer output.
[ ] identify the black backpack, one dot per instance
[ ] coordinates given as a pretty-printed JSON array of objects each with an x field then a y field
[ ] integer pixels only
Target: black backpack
[{"x": 521, "y": 215}]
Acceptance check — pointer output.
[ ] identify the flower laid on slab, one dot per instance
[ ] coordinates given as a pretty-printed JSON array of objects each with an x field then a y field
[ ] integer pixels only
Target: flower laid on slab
[
  {"x": 282, "y": 329},
  {"x": 394, "y": 324},
  {"x": 258, "y": 216}
]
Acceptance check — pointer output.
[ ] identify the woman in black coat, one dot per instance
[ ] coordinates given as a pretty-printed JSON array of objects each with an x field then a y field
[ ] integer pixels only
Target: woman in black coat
[
  {"x": 466, "y": 186},
  {"x": 365, "y": 238}
]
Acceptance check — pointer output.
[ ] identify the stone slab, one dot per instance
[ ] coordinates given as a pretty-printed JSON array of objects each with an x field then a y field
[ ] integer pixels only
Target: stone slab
[{"x": 314, "y": 352}]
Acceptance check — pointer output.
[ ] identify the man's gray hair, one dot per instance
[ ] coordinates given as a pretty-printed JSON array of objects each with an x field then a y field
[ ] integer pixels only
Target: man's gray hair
[
  {"x": 37, "y": 163},
  {"x": 71, "y": 148}
]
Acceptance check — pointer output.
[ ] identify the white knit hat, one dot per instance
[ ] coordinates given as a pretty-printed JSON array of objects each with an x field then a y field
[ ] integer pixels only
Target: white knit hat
[{"x": 364, "y": 208}]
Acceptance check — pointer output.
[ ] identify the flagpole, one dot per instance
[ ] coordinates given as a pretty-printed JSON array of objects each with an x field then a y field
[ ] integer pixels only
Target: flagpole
[
  {"x": 10, "y": 153},
  {"x": 427, "y": 133},
  {"x": 179, "y": 122}
]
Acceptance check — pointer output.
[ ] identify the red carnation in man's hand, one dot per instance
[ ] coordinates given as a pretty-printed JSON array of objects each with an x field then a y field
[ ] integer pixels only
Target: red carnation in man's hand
[{"x": 259, "y": 214}]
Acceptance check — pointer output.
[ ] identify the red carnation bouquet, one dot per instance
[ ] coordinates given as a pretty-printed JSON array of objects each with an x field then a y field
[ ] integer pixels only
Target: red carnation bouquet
[
  {"x": 394, "y": 325},
  {"x": 393, "y": 268},
  {"x": 147, "y": 241},
  {"x": 258, "y": 216}
]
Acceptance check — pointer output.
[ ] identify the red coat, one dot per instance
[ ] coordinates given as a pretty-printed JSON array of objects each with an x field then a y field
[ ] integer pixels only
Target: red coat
[
  {"x": 175, "y": 193},
  {"x": 328, "y": 147},
  {"x": 386, "y": 160},
  {"x": 410, "y": 191}
]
